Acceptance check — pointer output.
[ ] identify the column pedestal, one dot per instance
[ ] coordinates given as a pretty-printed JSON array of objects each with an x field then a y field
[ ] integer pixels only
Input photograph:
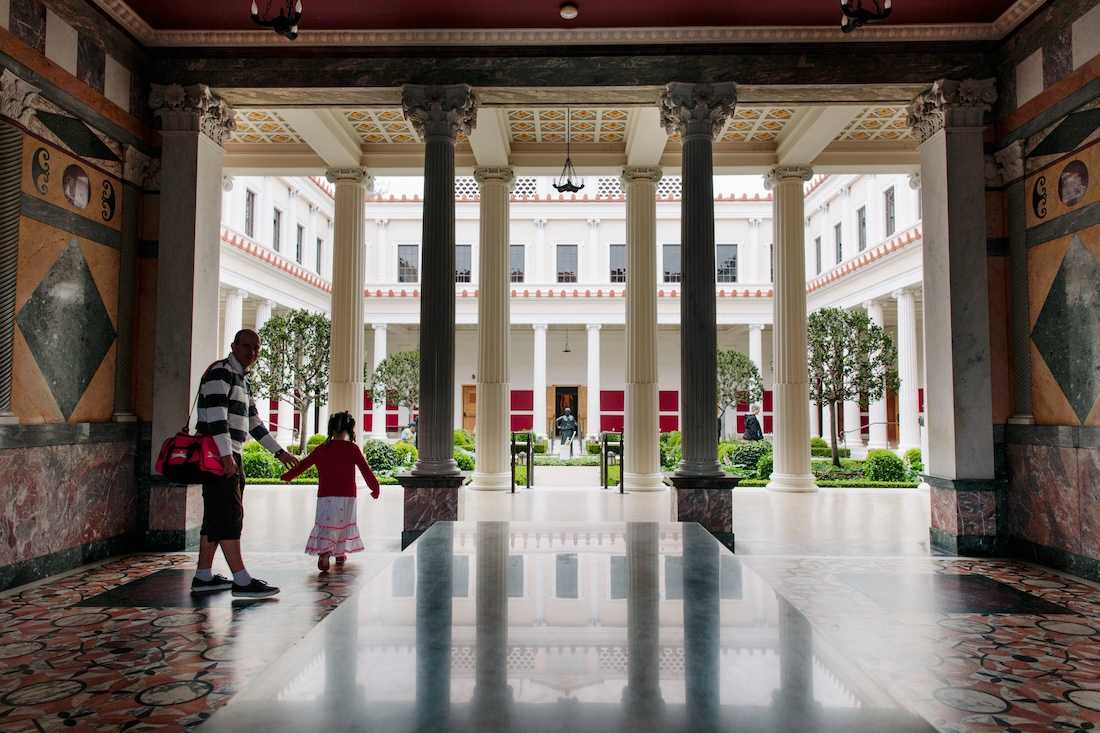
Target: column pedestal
[{"x": 792, "y": 390}]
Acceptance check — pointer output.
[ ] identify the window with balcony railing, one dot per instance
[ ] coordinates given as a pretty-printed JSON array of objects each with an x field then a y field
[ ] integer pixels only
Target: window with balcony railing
[
  {"x": 726, "y": 258},
  {"x": 408, "y": 263},
  {"x": 671, "y": 263},
  {"x": 567, "y": 263}
]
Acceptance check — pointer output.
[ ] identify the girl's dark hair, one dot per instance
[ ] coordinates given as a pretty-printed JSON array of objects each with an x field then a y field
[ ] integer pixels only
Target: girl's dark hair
[{"x": 341, "y": 422}]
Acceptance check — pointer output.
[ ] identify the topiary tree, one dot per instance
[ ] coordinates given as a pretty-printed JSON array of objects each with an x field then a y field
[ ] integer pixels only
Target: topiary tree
[
  {"x": 294, "y": 361},
  {"x": 397, "y": 377},
  {"x": 738, "y": 380},
  {"x": 851, "y": 358},
  {"x": 883, "y": 465},
  {"x": 380, "y": 455}
]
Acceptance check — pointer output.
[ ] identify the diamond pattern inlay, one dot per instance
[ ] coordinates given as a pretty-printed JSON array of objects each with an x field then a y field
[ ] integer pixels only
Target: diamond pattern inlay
[
  {"x": 1067, "y": 332},
  {"x": 67, "y": 327}
]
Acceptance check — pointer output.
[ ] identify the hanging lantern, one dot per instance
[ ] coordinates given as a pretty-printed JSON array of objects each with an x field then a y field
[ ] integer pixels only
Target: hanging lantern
[{"x": 565, "y": 183}]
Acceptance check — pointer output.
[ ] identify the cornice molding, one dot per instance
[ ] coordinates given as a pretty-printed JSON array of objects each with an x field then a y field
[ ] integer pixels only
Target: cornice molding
[{"x": 1011, "y": 19}]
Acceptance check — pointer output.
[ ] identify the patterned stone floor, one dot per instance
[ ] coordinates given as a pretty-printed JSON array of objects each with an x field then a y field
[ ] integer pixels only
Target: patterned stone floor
[
  {"x": 65, "y": 666},
  {"x": 964, "y": 672}
]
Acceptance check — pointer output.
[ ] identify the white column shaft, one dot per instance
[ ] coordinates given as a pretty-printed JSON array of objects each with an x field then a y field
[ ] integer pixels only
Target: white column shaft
[
  {"x": 348, "y": 273},
  {"x": 494, "y": 318},
  {"x": 539, "y": 379},
  {"x": 642, "y": 461},
  {"x": 592, "y": 426},
  {"x": 378, "y": 408},
  {"x": 791, "y": 470},
  {"x": 233, "y": 320},
  {"x": 852, "y": 435},
  {"x": 877, "y": 436},
  {"x": 909, "y": 424}
]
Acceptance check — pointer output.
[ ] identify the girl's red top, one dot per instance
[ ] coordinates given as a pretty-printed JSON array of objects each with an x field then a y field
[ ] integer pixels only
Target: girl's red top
[{"x": 336, "y": 461}]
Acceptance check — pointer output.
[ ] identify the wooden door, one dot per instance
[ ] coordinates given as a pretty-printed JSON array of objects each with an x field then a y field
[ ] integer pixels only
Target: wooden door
[
  {"x": 550, "y": 410},
  {"x": 892, "y": 418},
  {"x": 469, "y": 407},
  {"x": 582, "y": 411}
]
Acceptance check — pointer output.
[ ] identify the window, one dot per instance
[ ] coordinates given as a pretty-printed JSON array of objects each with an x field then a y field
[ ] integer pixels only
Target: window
[
  {"x": 817, "y": 254},
  {"x": 888, "y": 196},
  {"x": 250, "y": 213},
  {"x": 463, "y": 263},
  {"x": 276, "y": 230},
  {"x": 673, "y": 273},
  {"x": 566, "y": 583},
  {"x": 408, "y": 262},
  {"x": 567, "y": 263},
  {"x": 727, "y": 263},
  {"x": 861, "y": 226},
  {"x": 299, "y": 244},
  {"x": 618, "y": 263},
  {"x": 516, "y": 252},
  {"x": 320, "y": 255},
  {"x": 839, "y": 244}
]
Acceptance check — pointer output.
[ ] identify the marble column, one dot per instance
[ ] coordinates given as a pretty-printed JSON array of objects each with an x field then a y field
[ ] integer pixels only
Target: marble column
[
  {"x": 908, "y": 398},
  {"x": 592, "y": 428},
  {"x": 642, "y": 694},
  {"x": 438, "y": 113},
  {"x": 697, "y": 112},
  {"x": 11, "y": 173},
  {"x": 702, "y": 628},
  {"x": 948, "y": 122},
  {"x": 852, "y": 434},
  {"x": 877, "y": 435},
  {"x": 263, "y": 313},
  {"x": 348, "y": 278},
  {"x": 756, "y": 346},
  {"x": 789, "y": 350},
  {"x": 135, "y": 168},
  {"x": 378, "y": 407},
  {"x": 494, "y": 324},
  {"x": 642, "y": 459},
  {"x": 1011, "y": 162},
  {"x": 233, "y": 318},
  {"x": 538, "y": 379},
  {"x": 434, "y": 629},
  {"x": 194, "y": 124},
  {"x": 815, "y": 418}
]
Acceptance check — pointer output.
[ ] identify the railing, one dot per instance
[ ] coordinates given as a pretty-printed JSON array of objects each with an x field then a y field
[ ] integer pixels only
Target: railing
[
  {"x": 526, "y": 448},
  {"x": 611, "y": 447}
]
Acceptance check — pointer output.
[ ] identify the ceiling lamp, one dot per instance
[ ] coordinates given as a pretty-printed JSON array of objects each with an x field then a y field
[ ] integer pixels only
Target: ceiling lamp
[
  {"x": 568, "y": 11},
  {"x": 565, "y": 182},
  {"x": 285, "y": 23},
  {"x": 855, "y": 15},
  {"x": 566, "y": 350}
]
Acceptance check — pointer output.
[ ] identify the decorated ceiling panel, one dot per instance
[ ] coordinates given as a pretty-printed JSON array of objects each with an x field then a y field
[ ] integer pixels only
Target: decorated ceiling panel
[
  {"x": 383, "y": 126},
  {"x": 263, "y": 126},
  {"x": 585, "y": 125},
  {"x": 878, "y": 123}
]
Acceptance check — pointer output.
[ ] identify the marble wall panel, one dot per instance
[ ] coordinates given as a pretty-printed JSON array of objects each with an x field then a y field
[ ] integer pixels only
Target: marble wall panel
[
  {"x": 1000, "y": 351},
  {"x": 1043, "y": 503},
  {"x": 91, "y": 61},
  {"x": 64, "y": 496},
  {"x": 977, "y": 513},
  {"x": 174, "y": 508},
  {"x": 70, "y": 183},
  {"x": 945, "y": 510},
  {"x": 426, "y": 506},
  {"x": 995, "y": 225},
  {"x": 1088, "y": 486},
  {"x": 28, "y": 22},
  {"x": 145, "y": 307}
]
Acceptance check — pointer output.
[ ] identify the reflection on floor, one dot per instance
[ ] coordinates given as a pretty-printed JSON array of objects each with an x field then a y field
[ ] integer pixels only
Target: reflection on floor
[{"x": 842, "y": 578}]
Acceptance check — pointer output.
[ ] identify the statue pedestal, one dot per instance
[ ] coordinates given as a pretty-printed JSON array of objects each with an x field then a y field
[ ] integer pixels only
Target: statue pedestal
[{"x": 428, "y": 499}]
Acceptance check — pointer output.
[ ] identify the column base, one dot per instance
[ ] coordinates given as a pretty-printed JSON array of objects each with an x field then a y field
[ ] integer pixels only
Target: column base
[
  {"x": 1022, "y": 419},
  {"x": 124, "y": 417},
  {"x": 702, "y": 469},
  {"x": 792, "y": 483},
  {"x": 643, "y": 482},
  {"x": 877, "y": 446},
  {"x": 497, "y": 481},
  {"x": 9, "y": 418},
  {"x": 428, "y": 499},
  {"x": 445, "y": 468}
]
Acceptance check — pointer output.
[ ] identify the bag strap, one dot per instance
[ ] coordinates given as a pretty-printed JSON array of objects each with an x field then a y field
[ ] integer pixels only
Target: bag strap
[{"x": 195, "y": 402}]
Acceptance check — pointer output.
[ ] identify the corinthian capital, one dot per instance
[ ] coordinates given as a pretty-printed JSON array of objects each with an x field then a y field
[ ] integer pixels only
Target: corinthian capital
[
  {"x": 696, "y": 109},
  {"x": 192, "y": 108},
  {"x": 352, "y": 174},
  {"x": 951, "y": 102},
  {"x": 439, "y": 110},
  {"x": 782, "y": 173},
  {"x": 500, "y": 174}
]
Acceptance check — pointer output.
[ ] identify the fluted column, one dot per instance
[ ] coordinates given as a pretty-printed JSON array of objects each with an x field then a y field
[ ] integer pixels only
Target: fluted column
[
  {"x": 642, "y": 461},
  {"x": 852, "y": 433},
  {"x": 494, "y": 320},
  {"x": 697, "y": 112},
  {"x": 908, "y": 400},
  {"x": 791, "y": 425},
  {"x": 233, "y": 317},
  {"x": 348, "y": 278},
  {"x": 538, "y": 379},
  {"x": 378, "y": 407},
  {"x": 438, "y": 113},
  {"x": 756, "y": 346},
  {"x": 592, "y": 426},
  {"x": 11, "y": 167},
  {"x": 877, "y": 435}
]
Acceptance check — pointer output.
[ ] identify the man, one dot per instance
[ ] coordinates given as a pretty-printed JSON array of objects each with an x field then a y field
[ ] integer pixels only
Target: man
[
  {"x": 752, "y": 425},
  {"x": 228, "y": 414}
]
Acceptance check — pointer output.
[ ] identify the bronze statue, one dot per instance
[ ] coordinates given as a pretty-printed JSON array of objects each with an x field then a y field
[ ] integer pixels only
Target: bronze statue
[{"x": 566, "y": 426}]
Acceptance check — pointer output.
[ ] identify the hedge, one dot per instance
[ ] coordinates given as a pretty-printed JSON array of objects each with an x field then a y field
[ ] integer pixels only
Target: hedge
[
  {"x": 384, "y": 478},
  {"x": 856, "y": 484},
  {"x": 883, "y": 465},
  {"x": 575, "y": 461},
  {"x": 464, "y": 440}
]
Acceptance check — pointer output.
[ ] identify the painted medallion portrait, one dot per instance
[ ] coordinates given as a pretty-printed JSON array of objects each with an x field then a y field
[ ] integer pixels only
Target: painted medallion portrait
[
  {"x": 1073, "y": 183},
  {"x": 76, "y": 186}
]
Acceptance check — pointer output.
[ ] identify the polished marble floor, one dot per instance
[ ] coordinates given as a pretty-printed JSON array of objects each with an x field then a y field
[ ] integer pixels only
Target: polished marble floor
[{"x": 567, "y": 610}]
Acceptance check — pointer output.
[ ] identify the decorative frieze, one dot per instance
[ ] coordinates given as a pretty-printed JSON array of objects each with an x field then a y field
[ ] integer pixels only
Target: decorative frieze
[
  {"x": 1010, "y": 160},
  {"x": 952, "y": 102},
  {"x": 696, "y": 109},
  {"x": 439, "y": 110},
  {"x": 192, "y": 108},
  {"x": 18, "y": 99}
]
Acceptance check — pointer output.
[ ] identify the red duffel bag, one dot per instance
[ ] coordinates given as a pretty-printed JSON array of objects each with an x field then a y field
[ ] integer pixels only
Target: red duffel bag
[{"x": 188, "y": 459}]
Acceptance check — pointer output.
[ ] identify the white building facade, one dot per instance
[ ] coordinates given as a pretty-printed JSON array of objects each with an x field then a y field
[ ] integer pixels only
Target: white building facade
[{"x": 568, "y": 273}]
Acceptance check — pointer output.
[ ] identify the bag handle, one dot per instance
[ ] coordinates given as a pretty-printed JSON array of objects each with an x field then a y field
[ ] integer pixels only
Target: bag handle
[{"x": 195, "y": 402}]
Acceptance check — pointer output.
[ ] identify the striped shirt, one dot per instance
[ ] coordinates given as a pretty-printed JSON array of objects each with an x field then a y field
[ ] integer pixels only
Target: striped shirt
[{"x": 226, "y": 409}]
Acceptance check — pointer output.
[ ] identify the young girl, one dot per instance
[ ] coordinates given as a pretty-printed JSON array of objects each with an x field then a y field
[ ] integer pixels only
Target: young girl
[{"x": 334, "y": 530}]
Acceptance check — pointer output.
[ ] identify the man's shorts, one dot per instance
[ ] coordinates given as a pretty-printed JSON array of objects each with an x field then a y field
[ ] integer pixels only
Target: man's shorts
[{"x": 223, "y": 506}]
